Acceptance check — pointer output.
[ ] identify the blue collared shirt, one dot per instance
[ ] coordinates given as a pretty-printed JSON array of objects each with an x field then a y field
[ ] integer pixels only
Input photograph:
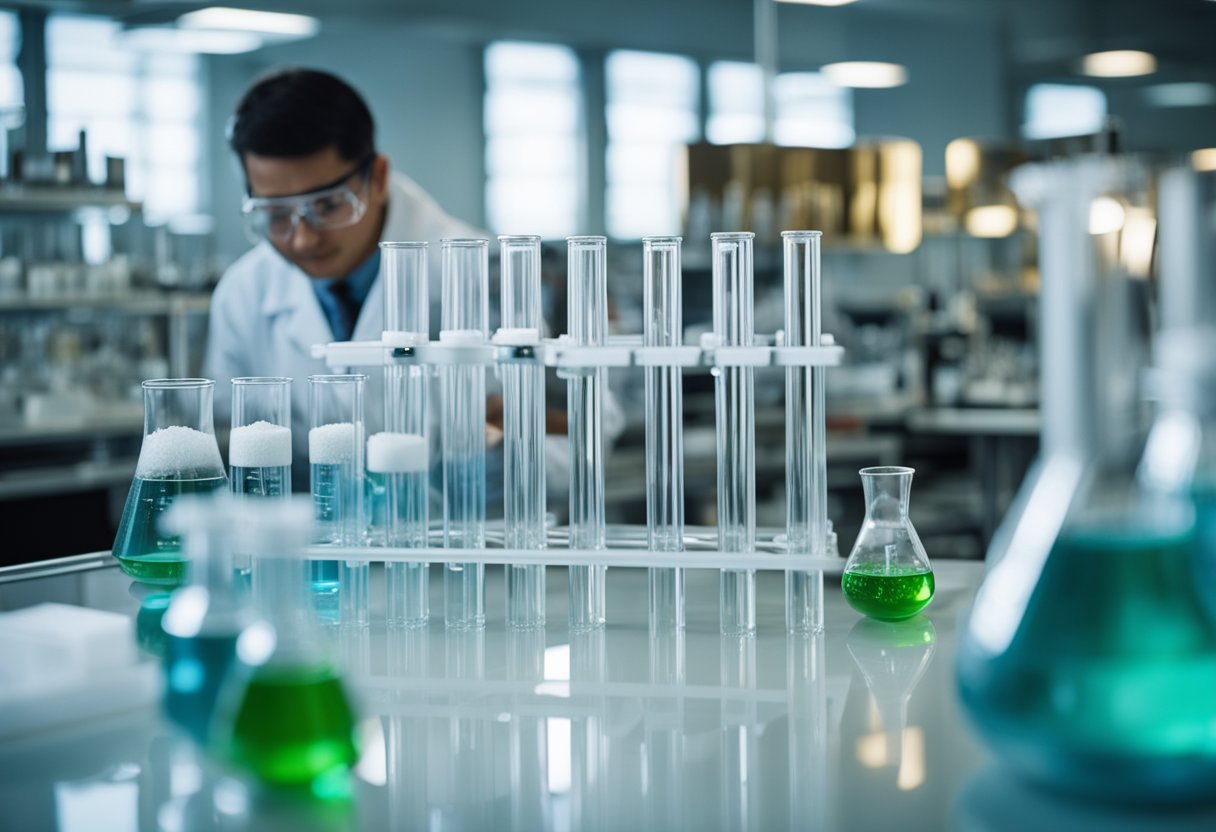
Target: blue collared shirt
[{"x": 359, "y": 284}]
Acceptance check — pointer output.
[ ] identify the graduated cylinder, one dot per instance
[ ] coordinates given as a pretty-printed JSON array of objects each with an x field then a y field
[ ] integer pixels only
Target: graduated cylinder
[
  {"x": 465, "y": 321},
  {"x": 663, "y": 326},
  {"x": 587, "y": 315},
  {"x": 735, "y": 429},
  {"x": 523, "y": 394}
]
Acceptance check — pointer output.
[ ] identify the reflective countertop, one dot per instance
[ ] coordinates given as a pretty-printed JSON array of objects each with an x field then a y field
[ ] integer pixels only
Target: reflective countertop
[{"x": 857, "y": 729}]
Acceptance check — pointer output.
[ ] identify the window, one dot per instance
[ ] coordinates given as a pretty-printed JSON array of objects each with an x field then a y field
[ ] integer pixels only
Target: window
[
  {"x": 652, "y": 112},
  {"x": 1056, "y": 110},
  {"x": 533, "y": 123},
  {"x": 145, "y": 107},
  {"x": 811, "y": 111}
]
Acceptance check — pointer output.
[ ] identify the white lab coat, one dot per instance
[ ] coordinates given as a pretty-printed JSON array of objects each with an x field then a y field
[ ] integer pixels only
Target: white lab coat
[{"x": 265, "y": 318}]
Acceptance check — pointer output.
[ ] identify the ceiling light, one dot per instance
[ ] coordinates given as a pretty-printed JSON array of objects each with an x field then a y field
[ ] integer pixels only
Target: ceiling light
[
  {"x": 222, "y": 18},
  {"x": 1185, "y": 94},
  {"x": 866, "y": 74},
  {"x": 169, "y": 39},
  {"x": 1118, "y": 63},
  {"x": 819, "y": 2},
  {"x": 1204, "y": 160}
]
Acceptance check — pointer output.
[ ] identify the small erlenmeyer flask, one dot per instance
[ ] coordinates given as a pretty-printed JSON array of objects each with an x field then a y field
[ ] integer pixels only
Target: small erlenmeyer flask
[
  {"x": 887, "y": 575},
  {"x": 179, "y": 456},
  {"x": 284, "y": 716}
]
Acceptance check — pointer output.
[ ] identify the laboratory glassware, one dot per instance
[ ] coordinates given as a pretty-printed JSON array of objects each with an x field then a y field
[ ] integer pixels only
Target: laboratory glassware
[
  {"x": 259, "y": 447},
  {"x": 735, "y": 427},
  {"x": 206, "y": 617},
  {"x": 805, "y": 450},
  {"x": 663, "y": 326},
  {"x": 523, "y": 395},
  {"x": 398, "y": 460},
  {"x": 335, "y": 456},
  {"x": 465, "y": 322},
  {"x": 1088, "y": 657},
  {"x": 284, "y": 715},
  {"x": 887, "y": 575},
  {"x": 587, "y": 314},
  {"x": 179, "y": 456}
]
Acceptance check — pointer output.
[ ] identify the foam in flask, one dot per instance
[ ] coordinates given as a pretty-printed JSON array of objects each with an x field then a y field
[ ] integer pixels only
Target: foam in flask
[
  {"x": 259, "y": 447},
  {"x": 205, "y": 617},
  {"x": 284, "y": 715},
  {"x": 179, "y": 456}
]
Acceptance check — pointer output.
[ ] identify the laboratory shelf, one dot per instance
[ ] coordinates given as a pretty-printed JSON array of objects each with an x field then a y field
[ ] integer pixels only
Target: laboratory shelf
[
  {"x": 66, "y": 479},
  {"x": 138, "y": 302},
  {"x": 25, "y": 200}
]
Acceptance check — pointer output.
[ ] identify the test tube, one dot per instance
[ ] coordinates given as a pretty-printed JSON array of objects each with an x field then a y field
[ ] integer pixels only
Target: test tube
[
  {"x": 736, "y": 428},
  {"x": 398, "y": 460},
  {"x": 335, "y": 455},
  {"x": 523, "y": 395},
  {"x": 465, "y": 321},
  {"x": 259, "y": 447},
  {"x": 587, "y": 315},
  {"x": 805, "y": 454},
  {"x": 663, "y": 327}
]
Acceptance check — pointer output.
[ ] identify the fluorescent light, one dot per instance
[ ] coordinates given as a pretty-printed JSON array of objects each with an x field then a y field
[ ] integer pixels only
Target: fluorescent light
[
  {"x": 1184, "y": 94},
  {"x": 819, "y": 2},
  {"x": 222, "y": 18},
  {"x": 866, "y": 74},
  {"x": 991, "y": 221},
  {"x": 168, "y": 39},
  {"x": 1118, "y": 63},
  {"x": 1204, "y": 160}
]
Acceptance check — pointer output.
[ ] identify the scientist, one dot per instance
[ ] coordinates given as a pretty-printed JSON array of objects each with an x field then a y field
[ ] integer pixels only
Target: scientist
[{"x": 320, "y": 198}]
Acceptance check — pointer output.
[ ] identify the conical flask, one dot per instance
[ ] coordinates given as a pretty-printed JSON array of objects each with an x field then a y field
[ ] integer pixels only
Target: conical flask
[
  {"x": 892, "y": 658},
  {"x": 1089, "y": 659},
  {"x": 179, "y": 456},
  {"x": 887, "y": 575}
]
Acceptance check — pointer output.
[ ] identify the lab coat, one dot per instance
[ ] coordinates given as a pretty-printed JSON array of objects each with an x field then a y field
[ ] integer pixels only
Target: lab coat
[{"x": 265, "y": 318}]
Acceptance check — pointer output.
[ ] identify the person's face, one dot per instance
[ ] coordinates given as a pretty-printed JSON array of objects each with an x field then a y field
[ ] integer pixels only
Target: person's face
[{"x": 331, "y": 252}]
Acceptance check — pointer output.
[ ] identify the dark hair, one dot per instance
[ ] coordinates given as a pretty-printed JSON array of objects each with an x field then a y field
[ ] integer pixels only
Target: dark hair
[{"x": 299, "y": 112}]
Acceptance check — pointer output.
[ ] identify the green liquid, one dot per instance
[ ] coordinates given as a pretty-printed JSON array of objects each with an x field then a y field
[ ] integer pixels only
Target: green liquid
[
  {"x": 888, "y": 594},
  {"x": 294, "y": 726},
  {"x": 143, "y": 552}
]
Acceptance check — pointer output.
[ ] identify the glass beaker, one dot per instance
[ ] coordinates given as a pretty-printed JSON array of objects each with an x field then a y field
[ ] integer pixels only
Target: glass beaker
[
  {"x": 259, "y": 447},
  {"x": 887, "y": 575},
  {"x": 179, "y": 456},
  {"x": 284, "y": 715}
]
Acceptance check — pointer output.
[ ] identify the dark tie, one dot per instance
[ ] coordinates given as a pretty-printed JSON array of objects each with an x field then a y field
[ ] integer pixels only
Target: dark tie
[{"x": 348, "y": 310}]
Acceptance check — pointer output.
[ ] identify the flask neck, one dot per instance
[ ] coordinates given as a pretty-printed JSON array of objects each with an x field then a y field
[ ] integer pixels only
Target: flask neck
[{"x": 887, "y": 491}]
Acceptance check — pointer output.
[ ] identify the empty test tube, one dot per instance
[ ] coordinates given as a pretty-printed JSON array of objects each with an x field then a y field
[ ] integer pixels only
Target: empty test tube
[
  {"x": 805, "y": 454},
  {"x": 465, "y": 321},
  {"x": 523, "y": 395},
  {"x": 663, "y": 326},
  {"x": 398, "y": 460},
  {"x": 335, "y": 455},
  {"x": 587, "y": 314},
  {"x": 259, "y": 447},
  {"x": 734, "y": 397}
]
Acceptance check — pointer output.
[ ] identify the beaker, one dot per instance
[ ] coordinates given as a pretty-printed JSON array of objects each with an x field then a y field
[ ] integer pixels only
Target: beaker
[
  {"x": 284, "y": 714},
  {"x": 259, "y": 447},
  {"x": 204, "y": 618},
  {"x": 887, "y": 575},
  {"x": 179, "y": 456}
]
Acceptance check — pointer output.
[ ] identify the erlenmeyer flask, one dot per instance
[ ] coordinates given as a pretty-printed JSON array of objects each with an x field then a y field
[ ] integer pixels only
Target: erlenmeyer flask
[
  {"x": 887, "y": 575},
  {"x": 284, "y": 715},
  {"x": 179, "y": 456}
]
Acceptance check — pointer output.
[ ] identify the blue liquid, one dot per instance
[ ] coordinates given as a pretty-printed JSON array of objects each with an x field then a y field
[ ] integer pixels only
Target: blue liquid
[
  {"x": 398, "y": 504},
  {"x": 195, "y": 669},
  {"x": 336, "y": 504},
  {"x": 149, "y": 634},
  {"x": 261, "y": 482},
  {"x": 1107, "y": 686},
  {"x": 143, "y": 551}
]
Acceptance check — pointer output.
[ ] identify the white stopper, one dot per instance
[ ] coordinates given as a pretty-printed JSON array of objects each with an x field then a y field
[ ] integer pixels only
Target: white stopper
[
  {"x": 179, "y": 452},
  {"x": 397, "y": 453},
  {"x": 517, "y": 336},
  {"x": 260, "y": 445},
  {"x": 332, "y": 444}
]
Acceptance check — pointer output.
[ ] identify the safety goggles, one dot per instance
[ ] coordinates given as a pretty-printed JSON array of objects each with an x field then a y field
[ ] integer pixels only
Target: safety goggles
[{"x": 324, "y": 209}]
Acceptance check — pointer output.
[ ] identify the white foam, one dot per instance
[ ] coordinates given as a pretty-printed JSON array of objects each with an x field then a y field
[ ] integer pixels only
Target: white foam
[
  {"x": 331, "y": 444},
  {"x": 179, "y": 452},
  {"x": 397, "y": 453},
  {"x": 260, "y": 445}
]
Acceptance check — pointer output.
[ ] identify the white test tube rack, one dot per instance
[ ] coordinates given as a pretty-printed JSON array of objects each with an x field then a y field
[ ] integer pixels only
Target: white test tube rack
[{"x": 559, "y": 353}]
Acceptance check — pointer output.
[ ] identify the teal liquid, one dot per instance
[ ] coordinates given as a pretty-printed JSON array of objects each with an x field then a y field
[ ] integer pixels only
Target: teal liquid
[
  {"x": 1107, "y": 687},
  {"x": 261, "y": 482},
  {"x": 294, "y": 727},
  {"x": 149, "y": 634},
  {"x": 888, "y": 594},
  {"x": 335, "y": 509},
  {"x": 195, "y": 669},
  {"x": 143, "y": 551}
]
